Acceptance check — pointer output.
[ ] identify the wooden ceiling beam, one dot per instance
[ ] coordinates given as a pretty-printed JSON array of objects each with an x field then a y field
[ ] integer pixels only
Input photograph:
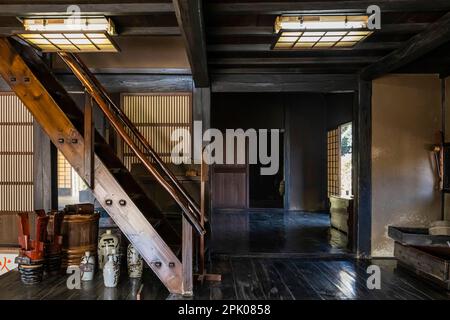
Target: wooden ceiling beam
[
  {"x": 349, "y": 6},
  {"x": 283, "y": 83},
  {"x": 434, "y": 36},
  {"x": 190, "y": 21},
  {"x": 294, "y": 61},
  {"x": 268, "y": 30},
  {"x": 149, "y": 31},
  {"x": 125, "y": 31},
  {"x": 109, "y": 9},
  {"x": 264, "y": 47},
  {"x": 315, "y": 69}
]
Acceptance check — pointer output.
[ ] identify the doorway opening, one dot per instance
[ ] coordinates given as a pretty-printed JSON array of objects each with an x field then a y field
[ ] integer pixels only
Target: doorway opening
[
  {"x": 267, "y": 191},
  {"x": 293, "y": 211}
]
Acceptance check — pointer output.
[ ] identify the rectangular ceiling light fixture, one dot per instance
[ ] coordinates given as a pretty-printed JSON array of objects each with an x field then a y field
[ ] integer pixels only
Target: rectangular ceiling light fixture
[
  {"x": 91, "y": 34},
  {"x": 320, "y": 32}
]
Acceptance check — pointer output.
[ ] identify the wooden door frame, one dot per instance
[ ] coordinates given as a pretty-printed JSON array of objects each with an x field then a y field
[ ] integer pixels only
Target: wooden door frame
[{"x": 361, "y": 168}]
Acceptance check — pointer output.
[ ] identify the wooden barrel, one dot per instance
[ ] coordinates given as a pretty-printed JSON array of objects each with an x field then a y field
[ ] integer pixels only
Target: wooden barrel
[{"x": 80, "y": 234}]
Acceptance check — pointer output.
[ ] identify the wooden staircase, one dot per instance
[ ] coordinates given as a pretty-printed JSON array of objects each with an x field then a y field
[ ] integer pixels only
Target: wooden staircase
[{"x": 95, "y": 161}]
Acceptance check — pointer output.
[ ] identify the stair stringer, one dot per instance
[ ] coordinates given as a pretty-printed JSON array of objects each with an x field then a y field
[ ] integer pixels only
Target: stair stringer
[
  {"x": 137, "y": 229},
  {"x": 70, "y": 142}
]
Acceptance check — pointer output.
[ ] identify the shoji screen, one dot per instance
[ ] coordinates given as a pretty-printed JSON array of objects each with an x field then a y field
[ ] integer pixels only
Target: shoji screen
[
  {"x": 156, "y": 116},
  {"x": 16, "y": 164}
]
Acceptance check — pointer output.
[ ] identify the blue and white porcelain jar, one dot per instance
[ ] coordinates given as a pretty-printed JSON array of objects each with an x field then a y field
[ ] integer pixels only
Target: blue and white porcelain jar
[
  {"x": 135, "y": 262},
  {"x": 87, "y": 267}
]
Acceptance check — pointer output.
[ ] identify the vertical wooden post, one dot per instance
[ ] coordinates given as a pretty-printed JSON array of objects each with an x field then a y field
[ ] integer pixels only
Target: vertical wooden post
[
  {"x": 441, "y": 153},
  {"x": 187, "y": 247},
  {"x": 42, "y": 173},
  {"x": 88, "y": 141},
  {"x": 203, "y": 182},
  {"x": 363, "y": 192}
]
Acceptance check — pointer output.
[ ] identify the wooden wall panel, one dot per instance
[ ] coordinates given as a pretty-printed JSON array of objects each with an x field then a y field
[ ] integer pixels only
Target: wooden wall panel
[{"x": 229, "y": 187}]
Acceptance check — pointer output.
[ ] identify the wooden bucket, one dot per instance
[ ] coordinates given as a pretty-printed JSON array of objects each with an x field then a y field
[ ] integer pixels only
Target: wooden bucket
[{"x": 80, "y": 234}]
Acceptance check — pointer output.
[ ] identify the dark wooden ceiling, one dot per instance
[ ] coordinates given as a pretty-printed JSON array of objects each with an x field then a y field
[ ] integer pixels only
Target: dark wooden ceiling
[
  {"x": 238, "y": 39},
  {"x": 238, "y": 34}
]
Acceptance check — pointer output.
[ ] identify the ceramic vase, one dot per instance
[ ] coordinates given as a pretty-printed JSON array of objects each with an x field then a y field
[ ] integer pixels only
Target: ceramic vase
[
  {"x": 87, "y": 267},
  {"x": 135, "y": 262},
  {"x": 111, "y": 272},
  {"x": 107, "y": 243}
]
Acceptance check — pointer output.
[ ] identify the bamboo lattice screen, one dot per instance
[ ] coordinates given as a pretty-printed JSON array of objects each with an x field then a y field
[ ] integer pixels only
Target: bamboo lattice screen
[
  {"x": 156, "y": 116},
  {"x": 16, "y": 155}
]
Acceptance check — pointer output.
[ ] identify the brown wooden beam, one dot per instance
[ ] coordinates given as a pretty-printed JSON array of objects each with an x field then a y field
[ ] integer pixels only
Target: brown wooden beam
[
  {"x": 102, "y": 8},
  {"x": 125, "y": 31},
  {"x": 315, "y": 69},
  {"x": 293, "y": 61},
  {"x": 268, "y": 30},
  {"x": 265, "y": 47},
  {"x": 349, "y": 6},
  {"x": 133, "y": 82},
  {"x": 132, "y": 71},
  {"x": 283, "y": 83},
  {"x": 434, "y": 36},
  {"x": 149, "y": 31},
  {"x": 190, "y": 20}
]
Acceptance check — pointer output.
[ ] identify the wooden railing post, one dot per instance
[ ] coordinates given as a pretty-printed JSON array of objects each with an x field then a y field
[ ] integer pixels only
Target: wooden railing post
[
  {"x": 203, "y": 180},
  {"x": 186, "y": 259},
  {"x": 88, "y": 141},
  {"x": 202, "y": 274}
]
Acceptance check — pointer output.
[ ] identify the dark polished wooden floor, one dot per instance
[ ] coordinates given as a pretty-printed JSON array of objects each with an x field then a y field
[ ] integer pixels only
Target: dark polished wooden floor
[
  {"x": 249, "y": 278},
  {"x": 272, "y": 232}
]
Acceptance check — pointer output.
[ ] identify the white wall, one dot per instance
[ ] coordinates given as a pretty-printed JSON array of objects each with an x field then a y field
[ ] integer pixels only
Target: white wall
[{"x": 406, "y": 113}]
